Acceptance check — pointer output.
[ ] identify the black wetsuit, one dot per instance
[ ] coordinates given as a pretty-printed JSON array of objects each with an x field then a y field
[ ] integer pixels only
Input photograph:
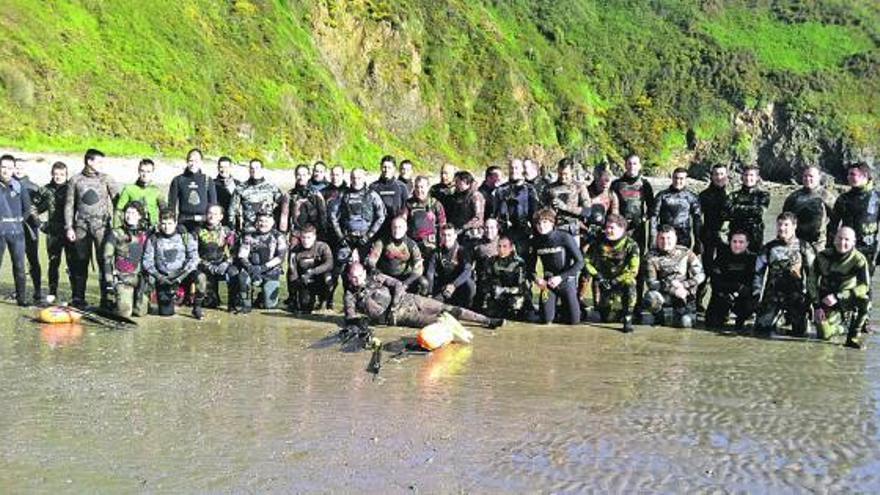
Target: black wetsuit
[
  {"x": 636, "y": 200},
  {"x": 190, "y": 194},
  {"x": 517, "y": 204},
  {"x": 15, "y": 206},
  {"x": 52, "y": 202},
  {"x": 731, "y": 277},
  {"x": 394, "y": 195},
  {"x": 309, "y": 276},
  {"x": 452, "y": 266},
  {"x": 560, "y": 256},
  {"x": 680, "y": 209},
  {"x": 713, "y": 202},
  {"x": 32, "y": 237}
]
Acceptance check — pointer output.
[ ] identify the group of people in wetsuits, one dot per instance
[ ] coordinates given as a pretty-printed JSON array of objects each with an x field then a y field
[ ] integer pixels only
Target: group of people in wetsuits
[{"x": 527, "y": 248}]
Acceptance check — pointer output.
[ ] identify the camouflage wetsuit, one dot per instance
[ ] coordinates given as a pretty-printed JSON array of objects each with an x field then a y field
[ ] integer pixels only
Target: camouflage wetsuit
[
  {"x": 216, "y": 245},
  {"x": 253, "y": 196},
  {"x": 680, "y": 209},
  {"x": 662, "y": 271},
  {"x": 504, "y": 287},
  {"x": 87, "y": 210},
  {"x": 466, "y": 212},
  {"x": 401, "y": 259},
  {"x": 745, "y": 211},
  {"x": 614, "y": 266},
  {"x": 846, "y": 277},
  {"x": 304, "y": 206},
  {"x": 782, "y": 272},
  {"x": 261, "y": 261},
  {"x": 123, "y": 257},
  {"x": 484, "y": 251},
  {"x": 569, "y": 201},
  {"x": 383, "y": 299},
  {"x": 52, "y": 200}
]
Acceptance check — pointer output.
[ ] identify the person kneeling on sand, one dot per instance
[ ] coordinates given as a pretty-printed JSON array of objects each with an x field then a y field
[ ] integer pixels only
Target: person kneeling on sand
[
  {"x": 123, "y": 258},
  {"x": 613, "y": 264},
  {"x": 840, "y": 286},
  {"x": 673, "y": 274},
  {"x": 171, "y": 257}
]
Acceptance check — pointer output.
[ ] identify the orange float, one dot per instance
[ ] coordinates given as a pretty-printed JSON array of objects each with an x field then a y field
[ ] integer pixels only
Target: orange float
[
  {"x": 446, "y": 330},
  {"x": 434, "y": 336}
]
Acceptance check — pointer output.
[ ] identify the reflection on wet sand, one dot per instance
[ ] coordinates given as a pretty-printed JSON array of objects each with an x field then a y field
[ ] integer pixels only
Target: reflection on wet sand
[
  {"x": 251, "y": 404},
  {"x": 254, "y": 404},
  {"x": 61, "y": 334}
]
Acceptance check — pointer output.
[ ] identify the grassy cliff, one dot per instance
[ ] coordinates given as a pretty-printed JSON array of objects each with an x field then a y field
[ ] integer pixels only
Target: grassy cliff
[{"x": 444, "y": 80}]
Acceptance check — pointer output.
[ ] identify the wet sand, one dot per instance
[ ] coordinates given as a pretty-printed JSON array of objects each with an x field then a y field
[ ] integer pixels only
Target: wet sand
[{"x": 258, "y": 404}]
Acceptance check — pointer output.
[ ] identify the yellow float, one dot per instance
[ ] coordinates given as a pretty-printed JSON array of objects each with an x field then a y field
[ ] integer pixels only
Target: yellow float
[{"x": 58, "y": 314}]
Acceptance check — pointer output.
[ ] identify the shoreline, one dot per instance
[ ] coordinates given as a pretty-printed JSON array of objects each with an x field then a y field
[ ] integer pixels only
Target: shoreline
[{"x": 123, "y": 170}]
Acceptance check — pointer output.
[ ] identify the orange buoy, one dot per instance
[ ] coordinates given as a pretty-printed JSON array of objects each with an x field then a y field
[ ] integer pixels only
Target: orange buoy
[
  {"x": 434, "y": 336},
  {"x": 447, "y": 329},
  {"x": 58, "y": 314}
]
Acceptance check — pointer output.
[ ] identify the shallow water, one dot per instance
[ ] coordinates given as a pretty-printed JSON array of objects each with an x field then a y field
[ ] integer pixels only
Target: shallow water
[{"x": 261, "y": 404}]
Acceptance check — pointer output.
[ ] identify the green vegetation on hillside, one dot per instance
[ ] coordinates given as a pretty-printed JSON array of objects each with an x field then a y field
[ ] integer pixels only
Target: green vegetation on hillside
[
  {"x": 466, "y": 81},
  {"x": 800, "y": 48}
]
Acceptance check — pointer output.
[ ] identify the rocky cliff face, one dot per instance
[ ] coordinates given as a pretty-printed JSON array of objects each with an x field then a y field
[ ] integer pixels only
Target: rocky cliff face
[{"x": 782, "y": 142}]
